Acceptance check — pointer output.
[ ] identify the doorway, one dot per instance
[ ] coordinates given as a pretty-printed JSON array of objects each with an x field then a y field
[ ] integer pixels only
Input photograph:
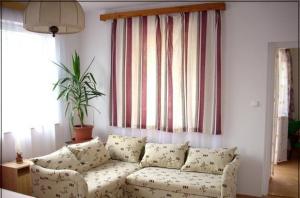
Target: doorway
[{"x": 286, "y": 124}]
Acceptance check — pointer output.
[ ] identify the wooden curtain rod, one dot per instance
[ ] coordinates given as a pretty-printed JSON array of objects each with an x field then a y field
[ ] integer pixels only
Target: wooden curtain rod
[
  {"x": 168, "y": 10},
  {"x": 14, "y": 5}
]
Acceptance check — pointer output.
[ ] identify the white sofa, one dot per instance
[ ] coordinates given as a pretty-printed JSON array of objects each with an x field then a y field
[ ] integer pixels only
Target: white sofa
[{"x": 118, "y": 179}]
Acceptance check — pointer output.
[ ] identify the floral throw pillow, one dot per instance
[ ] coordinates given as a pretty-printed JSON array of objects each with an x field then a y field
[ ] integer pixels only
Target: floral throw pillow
[
  {"x": 91, "y": 154},
  {"x": 125, "y": 148},
  {"x": 164, "y": 155},
  {"x": 60, "y": 159},
  {"x": 206, "y": 160}
]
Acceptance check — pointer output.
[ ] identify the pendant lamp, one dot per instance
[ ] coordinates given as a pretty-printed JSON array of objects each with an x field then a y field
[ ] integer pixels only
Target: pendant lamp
[{"x": 55, "y": 17}]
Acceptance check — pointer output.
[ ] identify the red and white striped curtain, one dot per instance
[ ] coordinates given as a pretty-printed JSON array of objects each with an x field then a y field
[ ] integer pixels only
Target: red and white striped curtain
[{"x": 166, "y": 72}]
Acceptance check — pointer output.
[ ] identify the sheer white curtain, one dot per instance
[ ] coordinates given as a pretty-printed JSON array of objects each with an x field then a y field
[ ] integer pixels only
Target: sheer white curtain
[
  {"x": 157, "y": 136},
  {"x": 282, "y": 104},
  {"x": 29, "y": 109}
]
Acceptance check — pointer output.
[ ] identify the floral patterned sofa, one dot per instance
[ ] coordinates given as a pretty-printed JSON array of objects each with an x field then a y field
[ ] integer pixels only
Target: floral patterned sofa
[{"x": 92, "y": 170}]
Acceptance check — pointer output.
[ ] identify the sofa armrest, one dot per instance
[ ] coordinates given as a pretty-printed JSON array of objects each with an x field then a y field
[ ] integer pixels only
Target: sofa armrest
[
  {"x": 57, "y": 183},
  {"x": 229, "y": 178}
]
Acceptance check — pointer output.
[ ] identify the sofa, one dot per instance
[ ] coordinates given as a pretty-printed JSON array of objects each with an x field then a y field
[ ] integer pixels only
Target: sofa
[{"x": 131, "y": 168}]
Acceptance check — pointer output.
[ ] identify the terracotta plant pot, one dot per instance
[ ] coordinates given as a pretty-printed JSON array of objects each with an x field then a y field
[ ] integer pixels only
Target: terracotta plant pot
[{"x": 83, "y": 133}]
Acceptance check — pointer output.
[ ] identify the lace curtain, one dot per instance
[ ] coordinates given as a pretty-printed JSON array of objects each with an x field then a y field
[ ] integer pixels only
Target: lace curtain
[{"x": 283, "y": 88}]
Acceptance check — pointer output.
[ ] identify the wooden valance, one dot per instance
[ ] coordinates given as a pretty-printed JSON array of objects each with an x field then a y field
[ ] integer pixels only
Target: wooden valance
[{"x": 166, "y": 10}]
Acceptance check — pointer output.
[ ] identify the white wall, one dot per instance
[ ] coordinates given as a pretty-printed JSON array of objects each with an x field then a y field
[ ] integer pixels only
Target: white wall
[
  {"x": 95, "y": 42},
  {"x": 248, "y": 28}
]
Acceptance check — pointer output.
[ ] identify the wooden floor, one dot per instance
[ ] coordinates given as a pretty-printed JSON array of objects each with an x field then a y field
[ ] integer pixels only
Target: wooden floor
[
  {"x": 247, "y": 196},
  {"x": 284, "y": 182}
]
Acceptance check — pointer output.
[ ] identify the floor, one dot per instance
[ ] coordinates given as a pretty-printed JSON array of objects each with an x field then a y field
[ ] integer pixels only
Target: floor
[
  {"x": 269, "y": 196},
  {"x": 284, "y": 182}
]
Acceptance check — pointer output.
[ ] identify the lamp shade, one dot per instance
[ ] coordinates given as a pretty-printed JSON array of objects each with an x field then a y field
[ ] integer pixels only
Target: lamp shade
[{"x": 54, "y": 17}]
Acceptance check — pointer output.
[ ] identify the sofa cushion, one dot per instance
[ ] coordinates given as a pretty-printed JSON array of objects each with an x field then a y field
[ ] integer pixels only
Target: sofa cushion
[
  {"x": 164, "y": 155},
  {"x": 208, "y": 160},
  {"x": 91, "y": 153},
  {"x": 60, "y": 159},
  {"x": 108, "y": 178},
  {"x": 125, "y": 148},
  {"x": 176, "y": 181}
]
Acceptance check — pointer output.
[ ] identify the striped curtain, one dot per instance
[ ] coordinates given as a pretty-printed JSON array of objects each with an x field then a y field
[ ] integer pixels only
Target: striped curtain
[{"x": 166, "y": 72}]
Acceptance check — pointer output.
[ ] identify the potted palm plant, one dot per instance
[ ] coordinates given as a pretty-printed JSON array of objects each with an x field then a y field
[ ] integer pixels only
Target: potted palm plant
[{"x": 77, "y": 89}]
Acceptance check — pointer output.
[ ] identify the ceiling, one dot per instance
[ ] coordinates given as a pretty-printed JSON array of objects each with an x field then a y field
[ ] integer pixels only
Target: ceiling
[
  {"x": 120, "y": 5},
  {"x": 123, "y": 5},
  {"x": 89, "y": 5}
]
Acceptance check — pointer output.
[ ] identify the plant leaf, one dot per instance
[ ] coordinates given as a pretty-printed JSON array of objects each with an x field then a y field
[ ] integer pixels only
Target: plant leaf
[
  {"x": 77, "y": 89},
  {"x": 92, "y": 76},
  {"x": 67, "y": 109},
  {"x": 64, "y": 80},
  {"x": 85, "y": 108},
  {"x": 94, "y": 108},
  {"x": 61, "y": 93},
  {"x": 87, "y": 69},
  {"x": 76, "y": 66},
  {"x": 87, "y": 84},
  {"x": 64, "y": 68},
  {"x": 55, "y": 85}
]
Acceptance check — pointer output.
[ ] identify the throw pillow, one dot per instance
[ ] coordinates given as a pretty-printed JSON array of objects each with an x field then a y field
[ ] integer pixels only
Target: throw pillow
[
  {"x": 206, "y": 160},
  {"x": 164, "y": 155},
  {"x": 60, "y": 159},
  {"x": 125, "y": 148},
  {"x": 91, "y": 154}
]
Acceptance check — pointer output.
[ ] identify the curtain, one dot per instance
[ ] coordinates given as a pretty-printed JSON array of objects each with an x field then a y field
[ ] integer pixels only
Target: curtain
[
  {"x": 156, "y": 136},
  {"x": 283, "y": 88},
  {"x": 30, "y": 110},
  {"x": 166, "y": 72}
]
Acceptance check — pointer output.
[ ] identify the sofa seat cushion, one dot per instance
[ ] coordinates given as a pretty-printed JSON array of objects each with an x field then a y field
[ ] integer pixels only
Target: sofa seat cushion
[
  {"x": 133, "y": 191},
  {"x": 174, "y": 180},
  {"x": 106, "y": 178}
]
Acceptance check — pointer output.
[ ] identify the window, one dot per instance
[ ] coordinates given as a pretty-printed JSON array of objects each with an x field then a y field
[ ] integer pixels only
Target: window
[{"x": 27, "y": 78}]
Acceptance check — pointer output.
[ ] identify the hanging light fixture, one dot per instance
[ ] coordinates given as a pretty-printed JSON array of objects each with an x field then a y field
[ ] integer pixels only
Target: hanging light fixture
[{"x": 55, "y": 17}]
